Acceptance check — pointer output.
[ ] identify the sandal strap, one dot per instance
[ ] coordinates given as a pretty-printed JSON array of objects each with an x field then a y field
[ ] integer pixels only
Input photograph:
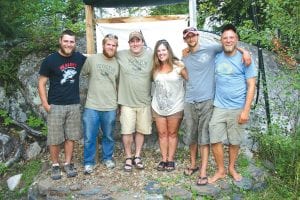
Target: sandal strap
[
  {"x": 139, "y": 160},
  {"x": 170, "y": 164},
  {"x": 128, "y": 159}
]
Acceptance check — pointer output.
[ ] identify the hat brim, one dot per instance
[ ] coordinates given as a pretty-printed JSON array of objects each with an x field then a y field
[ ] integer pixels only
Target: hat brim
[
  {"x": 135, "y": 36},
  {"x": 193, "y": 32}
]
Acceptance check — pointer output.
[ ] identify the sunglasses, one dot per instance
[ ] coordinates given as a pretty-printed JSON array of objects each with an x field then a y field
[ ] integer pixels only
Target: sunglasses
[{"x": 111, "y": 36}]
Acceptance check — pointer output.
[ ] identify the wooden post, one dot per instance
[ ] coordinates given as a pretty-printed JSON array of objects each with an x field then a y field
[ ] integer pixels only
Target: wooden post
[
  {"x": 193, "y": 13},
  {"x": 89, "y": 18}
]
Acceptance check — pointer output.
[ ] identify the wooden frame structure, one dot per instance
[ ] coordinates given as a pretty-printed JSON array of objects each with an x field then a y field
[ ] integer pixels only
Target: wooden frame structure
[{"x": 91, "y": 21}]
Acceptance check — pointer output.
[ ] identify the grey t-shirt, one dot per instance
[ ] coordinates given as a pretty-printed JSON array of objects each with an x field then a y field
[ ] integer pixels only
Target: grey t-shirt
[
  {"x": 200, "y": 66},
  {"x": 102, "y": 86},
  {"x": 135, "y": 78}
]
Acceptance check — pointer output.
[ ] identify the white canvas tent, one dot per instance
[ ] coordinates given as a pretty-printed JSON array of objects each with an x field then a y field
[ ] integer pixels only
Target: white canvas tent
[{"x": 153, "y": 30}]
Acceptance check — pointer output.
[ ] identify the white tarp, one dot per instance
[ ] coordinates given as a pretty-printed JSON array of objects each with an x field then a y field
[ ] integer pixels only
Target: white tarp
[{"x": 171, "y": 30}]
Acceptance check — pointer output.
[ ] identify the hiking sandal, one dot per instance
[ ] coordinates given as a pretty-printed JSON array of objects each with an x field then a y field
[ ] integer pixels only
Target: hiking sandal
[
  {"x": 128, "y": 167},
  {"x": 137, "y": 161},
  {"x": 170, "y": 166},
  {"x": 161, "y": 166}
]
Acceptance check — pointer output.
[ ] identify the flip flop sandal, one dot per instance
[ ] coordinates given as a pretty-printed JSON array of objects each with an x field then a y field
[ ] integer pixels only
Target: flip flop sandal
[
  {"x": 170, "y": 166},
  {"x": 190, "y": 171},
  {"x": 137, "y": 161},
  {"x": 128, "y": 167},
  {"x": 161, "y": 166},
  {"x": 202, "y": 180}
]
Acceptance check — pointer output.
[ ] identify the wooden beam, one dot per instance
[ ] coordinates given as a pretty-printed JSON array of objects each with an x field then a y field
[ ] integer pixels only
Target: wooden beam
[
  {"x": 89, "y": 17},
  {"x": 140, "y": 19}
]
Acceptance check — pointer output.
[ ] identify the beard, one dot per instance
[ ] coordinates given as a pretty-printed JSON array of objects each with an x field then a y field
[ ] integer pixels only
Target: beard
[
  {"x": 108, "y": 54},
  {"x": 66, "y": 51},
  {"x": 229, "y": 49}
]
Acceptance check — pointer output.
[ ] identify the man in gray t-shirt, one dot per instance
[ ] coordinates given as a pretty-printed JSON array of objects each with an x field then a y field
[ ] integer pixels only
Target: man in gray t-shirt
[{"x": 199, "y": 98}]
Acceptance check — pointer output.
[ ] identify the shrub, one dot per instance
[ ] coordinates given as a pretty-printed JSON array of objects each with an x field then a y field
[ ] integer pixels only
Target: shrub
[{"x": 283, "y": 151}]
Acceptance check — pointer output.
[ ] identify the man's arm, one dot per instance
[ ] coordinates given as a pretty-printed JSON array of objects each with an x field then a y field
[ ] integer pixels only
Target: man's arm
[
  {"x": 244, "y": 116},
  {"x": 184, "y": 74},
  {"x": 246, "y": 56},
  {"x": 42, "y": 92}
]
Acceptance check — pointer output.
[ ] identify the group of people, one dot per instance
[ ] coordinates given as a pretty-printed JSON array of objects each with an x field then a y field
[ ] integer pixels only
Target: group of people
[{"x": 211, "y": 88}]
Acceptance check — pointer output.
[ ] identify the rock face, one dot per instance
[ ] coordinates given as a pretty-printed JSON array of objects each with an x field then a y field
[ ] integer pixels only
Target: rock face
[{"x": 282, "y": 96}]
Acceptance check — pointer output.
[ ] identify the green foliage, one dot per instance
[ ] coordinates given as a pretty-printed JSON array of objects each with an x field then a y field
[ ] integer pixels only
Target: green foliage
[
  {"x": 277, "y": 189},
  {"x": 36, "y": 25},
  {"x": 276, "y": 18},
  {"x": 9, "y": 67},
  {"x": 283, "y": 151},
  {"x": 29, "y": 170},
  {"x": 6, "y": 120},
  {"x": 3, "y": 168},
  {"x": 174, "y": 9},
  {"x": 37, "y": 123},
  {"x": 206, "y": 9},
  {"x": 283, "y": 16}
]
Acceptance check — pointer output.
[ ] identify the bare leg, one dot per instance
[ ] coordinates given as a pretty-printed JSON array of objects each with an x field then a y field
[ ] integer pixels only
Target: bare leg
[
  {"x": 161, "y": 124},
  {"x": 69, "y": 146},
  {"x": 139, "y": 141},
  {"x": 173, "y": 126},
  {"x": 193, "y": 155},
  {"x": 233, "y": 155},
  {"x": 218, "y": 152},
  {"x": 54, "y": 153},
  {"x": 204, "y": 151},
  {"x": 127, "y": 142}
]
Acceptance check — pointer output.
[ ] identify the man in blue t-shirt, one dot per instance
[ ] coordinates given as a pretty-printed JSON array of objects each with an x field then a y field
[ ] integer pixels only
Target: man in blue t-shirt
[
  {"x": 62, "y": 103},
  {"x": 235, "y": 88}
]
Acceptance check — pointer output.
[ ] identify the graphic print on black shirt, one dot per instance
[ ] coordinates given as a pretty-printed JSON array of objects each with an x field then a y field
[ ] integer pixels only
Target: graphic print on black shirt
[{"x": 69, "y": 72}]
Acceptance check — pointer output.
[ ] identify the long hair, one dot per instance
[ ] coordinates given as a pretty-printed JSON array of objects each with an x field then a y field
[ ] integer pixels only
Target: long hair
[{"x": 157, "y": 64}]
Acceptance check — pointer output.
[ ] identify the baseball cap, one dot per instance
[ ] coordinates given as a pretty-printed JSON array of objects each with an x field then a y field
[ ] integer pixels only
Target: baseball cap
[
  {"x": 136, "y": 34},
  {"x": 189, "y": 30}
]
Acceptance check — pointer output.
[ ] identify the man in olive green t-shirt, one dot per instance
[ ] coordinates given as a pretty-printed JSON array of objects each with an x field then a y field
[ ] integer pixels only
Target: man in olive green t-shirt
[
  {"x": 134, "y": 97},
  {"x": 101, "y": 103}
]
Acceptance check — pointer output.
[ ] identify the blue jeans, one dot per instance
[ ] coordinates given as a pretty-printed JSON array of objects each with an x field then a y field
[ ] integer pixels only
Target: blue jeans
[{"x": 92, "y": 121}]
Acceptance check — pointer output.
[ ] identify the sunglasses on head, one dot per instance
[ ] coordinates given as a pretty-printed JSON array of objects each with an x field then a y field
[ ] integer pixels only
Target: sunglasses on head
[{"x": 111, "y": 36}]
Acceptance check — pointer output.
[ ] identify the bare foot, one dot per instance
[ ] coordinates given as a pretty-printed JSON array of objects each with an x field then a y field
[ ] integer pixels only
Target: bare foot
[
  {"x": 236, "y": 176},
  {"x": 216, "y": 177}
]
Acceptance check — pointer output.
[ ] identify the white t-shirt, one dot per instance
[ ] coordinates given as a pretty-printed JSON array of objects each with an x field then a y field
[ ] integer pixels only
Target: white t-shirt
[{"x": 168, "y": 95}]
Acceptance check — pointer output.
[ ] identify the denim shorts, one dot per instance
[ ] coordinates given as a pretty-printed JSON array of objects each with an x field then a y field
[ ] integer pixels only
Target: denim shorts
[
  {"x": 63, "y": 123},
  {"x": 224, "y": 125},
  {"x": 136, "y": 120},
  {"x": 196, "y": 120}
]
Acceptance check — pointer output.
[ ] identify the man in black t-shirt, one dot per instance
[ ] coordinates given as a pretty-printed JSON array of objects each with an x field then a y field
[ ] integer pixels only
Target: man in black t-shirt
[{"x": 62, "y": 69}]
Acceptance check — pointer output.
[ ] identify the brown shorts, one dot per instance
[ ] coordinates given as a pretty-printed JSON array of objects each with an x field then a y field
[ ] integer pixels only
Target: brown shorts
[{"x": 175, "y": 115}]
